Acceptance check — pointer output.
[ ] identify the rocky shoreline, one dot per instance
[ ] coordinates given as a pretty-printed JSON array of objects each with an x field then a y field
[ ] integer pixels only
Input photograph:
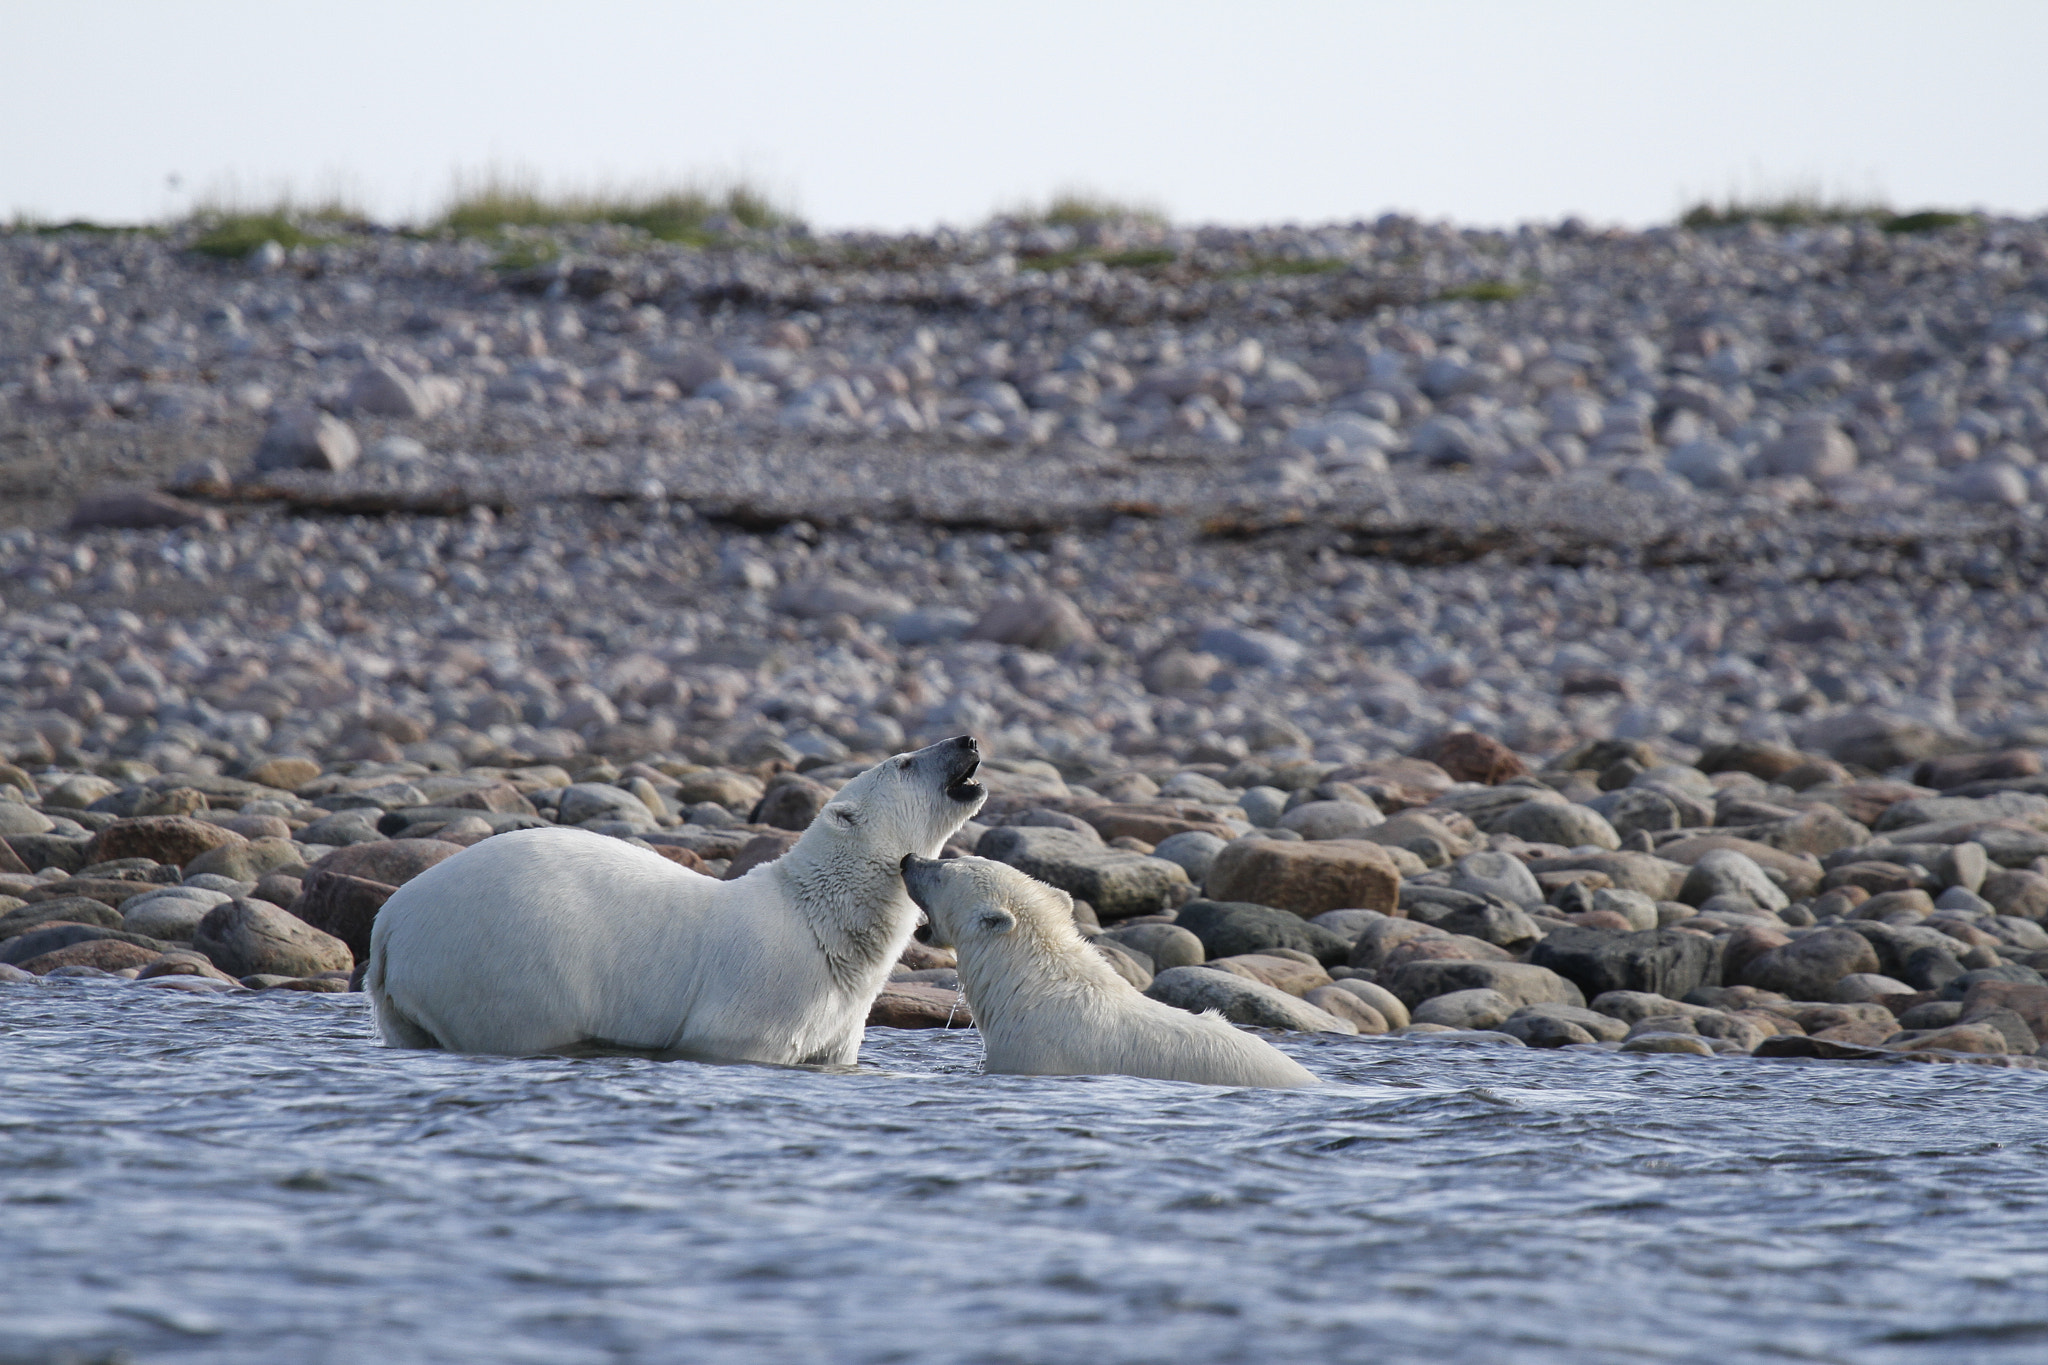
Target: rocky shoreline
[{"x": 1585, "y": 639}]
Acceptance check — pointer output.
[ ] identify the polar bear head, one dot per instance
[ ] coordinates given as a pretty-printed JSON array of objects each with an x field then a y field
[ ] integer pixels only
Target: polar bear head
[
  {"x": 975, "y": 904},
  {"x": 909, "y": 804}
]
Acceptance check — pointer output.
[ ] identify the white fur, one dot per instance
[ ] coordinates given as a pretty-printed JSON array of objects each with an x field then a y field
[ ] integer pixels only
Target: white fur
[
  {"x": 550, "y": 939},
  {"x": 1047, "y": 1004}
]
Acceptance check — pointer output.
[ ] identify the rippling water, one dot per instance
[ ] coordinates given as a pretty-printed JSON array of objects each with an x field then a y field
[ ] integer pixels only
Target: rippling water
[{"x": 185, "y": 1178}]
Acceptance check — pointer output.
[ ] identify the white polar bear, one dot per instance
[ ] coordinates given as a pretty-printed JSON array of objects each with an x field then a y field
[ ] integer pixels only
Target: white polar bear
[
  {"x": 550, "y": 939},
  {"x": 1047, "y": 1004}
]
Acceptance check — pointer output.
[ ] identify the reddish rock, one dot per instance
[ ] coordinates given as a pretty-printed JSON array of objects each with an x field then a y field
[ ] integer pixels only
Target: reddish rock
[
  {"x": 1958, "y": 1038},
  {"x": 1470, "y": 757},
  {"x": 681, "y": 857},
  {"x": 170, "y": 839},
  {"x": 1872, "y": 878},
  {"x": 2029, "y": 1002},
  {"x": 1149, "y": 825},
  {"x": 286, "y": 772},
  {"x": 344, "y": 906},
  {"x": 1961, "y": 769},
  {"x": 182, "y": 964},
  {"x": 762, "y": 848},
  {"x": 1308, "y": 877},
  {"x": 912, "y": 1004},
  {"x": 107, "y": 954},
  {"x": 1767, "y": 761}
]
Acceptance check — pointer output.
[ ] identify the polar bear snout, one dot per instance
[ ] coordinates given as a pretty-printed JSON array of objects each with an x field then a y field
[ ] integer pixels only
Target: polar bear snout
[{"x": 961, "y": 756}]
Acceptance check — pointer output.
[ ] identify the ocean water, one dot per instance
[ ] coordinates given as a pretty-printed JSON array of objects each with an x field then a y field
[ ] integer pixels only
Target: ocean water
[{"x": 254, "y": 1179}]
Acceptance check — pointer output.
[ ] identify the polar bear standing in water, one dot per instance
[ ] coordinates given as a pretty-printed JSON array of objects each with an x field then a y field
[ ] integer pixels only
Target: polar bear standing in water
[
  {"x": 548, "y": 939},
  {"x": 1048, "y": 1005}
]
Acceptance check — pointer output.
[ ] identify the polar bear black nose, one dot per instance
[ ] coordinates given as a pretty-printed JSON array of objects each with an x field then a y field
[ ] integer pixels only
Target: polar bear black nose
[{"x": 967, "y": 742}]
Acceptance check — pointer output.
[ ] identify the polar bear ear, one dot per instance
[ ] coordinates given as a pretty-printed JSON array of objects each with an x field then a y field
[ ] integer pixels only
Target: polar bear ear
[{"x": 997, "y": 921}]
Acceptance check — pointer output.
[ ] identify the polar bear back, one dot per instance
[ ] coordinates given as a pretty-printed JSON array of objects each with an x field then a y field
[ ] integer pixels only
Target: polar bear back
[{"x": 526, "y": 942}]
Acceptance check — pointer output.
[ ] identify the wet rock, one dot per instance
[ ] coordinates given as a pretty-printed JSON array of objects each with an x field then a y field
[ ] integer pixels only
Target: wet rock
[
  {"x": 1468, "y": 1009},
  {"x": 1675, "y": 1044},
  {"x": 1242, "y": 1001},
  {"x": 105, "y": 954},
  {"x": 50, "y": 937},
  {"x": 244, "y": 937},
  {"x": 1666, "y": 962},
  {"x": 1350, "y": 1007},
  {"x": 184, "y": 964},
  {"x": 904, "y": 1004},
  {"x": 1521, "y": 982}
]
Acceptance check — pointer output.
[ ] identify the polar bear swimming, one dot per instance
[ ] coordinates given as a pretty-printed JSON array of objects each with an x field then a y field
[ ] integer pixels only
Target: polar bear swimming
[
  {"x": 1048, "y": 1005},
  {"x": 551, "y": 939}
]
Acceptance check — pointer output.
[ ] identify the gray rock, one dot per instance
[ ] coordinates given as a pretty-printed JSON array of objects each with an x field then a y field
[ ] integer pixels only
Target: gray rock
[
  {"x": 1164, "y": 945},
  {"x": 1666, "y": 962},
  {"x": 601, "y": 801},
  {"x": 1389, "y": 1005},
  {"x": 1242, "y": 1001},
  {"x": 1531, "y": 1023},
  {"x": 1194, "y": 850},
  {"x": 1554, "y": 822},
  {"x": 1048, "y": 622},
  {"x": 248, "y": 937},
  {"x": 1250, "y": 648},
  {"x": 1231, "y": 928},
  {"x": 1263, "y": 806},
  {"x": 1808, "y": 967},
  {"x": 173, "y": 918},
  {"x": 1346, "y": 924},
  {"x": 306, "y": 438},
  {"x": 1469, "y": 1009},
  {"x": 1723, "y": 871},
  {"x": 1521, "y": 982},
  {"x": 384, "y": 390},
  {"x": 1501, "y": 876},
  {"x": 1118, "y": 883},
  {"x": 932, "y": 626},
  {"x": 1331, "y": 819},
  {"x": 1711, "y": 465}
]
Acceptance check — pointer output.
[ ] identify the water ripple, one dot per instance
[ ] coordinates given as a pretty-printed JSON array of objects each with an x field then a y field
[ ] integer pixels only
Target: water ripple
[{"x": 190, "y": 1178}]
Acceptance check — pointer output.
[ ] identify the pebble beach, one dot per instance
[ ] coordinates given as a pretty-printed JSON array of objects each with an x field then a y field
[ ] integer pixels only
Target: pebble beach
[{"x": 1553, "y": 638}]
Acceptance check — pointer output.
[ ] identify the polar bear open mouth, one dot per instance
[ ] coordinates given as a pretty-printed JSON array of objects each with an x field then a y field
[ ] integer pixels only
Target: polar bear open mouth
[{"x": 960, "y": 783}]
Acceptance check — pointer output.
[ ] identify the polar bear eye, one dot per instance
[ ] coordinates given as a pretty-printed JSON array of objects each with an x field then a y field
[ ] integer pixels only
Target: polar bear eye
[{"x": 845, "y": 815}]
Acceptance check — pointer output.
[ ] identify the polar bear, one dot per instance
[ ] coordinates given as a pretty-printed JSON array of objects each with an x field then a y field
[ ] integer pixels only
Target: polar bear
[
  {"x": 547, "y": 940},
  {"x": 1049, "y": 1005}
]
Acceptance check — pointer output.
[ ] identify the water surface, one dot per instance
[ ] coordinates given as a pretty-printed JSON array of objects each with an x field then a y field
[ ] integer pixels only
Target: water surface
[{"x": 253, "y": 1179}]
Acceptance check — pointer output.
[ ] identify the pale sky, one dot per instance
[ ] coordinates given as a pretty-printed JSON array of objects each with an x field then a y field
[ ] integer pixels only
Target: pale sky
[{"x": 908, "y": 113}]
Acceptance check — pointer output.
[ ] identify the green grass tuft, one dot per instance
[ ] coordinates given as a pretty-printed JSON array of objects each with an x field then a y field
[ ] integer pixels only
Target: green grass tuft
[
  {"x": 1926, "y": 220},
  {"x": 1485, "y": 291},
  {"x": 684, "y": 214},
  {"x": 1082, "y": 208},
  {"x": 1289, "y": 265}
]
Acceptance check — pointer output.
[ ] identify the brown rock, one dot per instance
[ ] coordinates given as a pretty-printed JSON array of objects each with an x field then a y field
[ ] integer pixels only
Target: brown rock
[
  {"x": 911, "y": 1004},
  {"x": 344, "y": 906},
  {"x": 278, "y": 888},
  {"x": 1915, "y": 903},
  {"x": 107, "y": 954},
  {"x": 182, "y": 964},
  {"x": 1444, "y": 948},
  {"x": 1961, "y": 769},
  {"x": 1396, "y": 783},
  {"x": 1864, "y": 801},
  {"x": 1307, "y": 878},
  {"x": 171, "y": 839},
  {"x": 286, "y": 772},
  {"x": 172, "y": 801},
  {"x": 110, "y": 891},
  {"x": 1958, "y": 1038},
  {"x": 500, "y": 798},
  {"x": 1345, "y": 1005},
  {"x": 1768, "y": 761},
  {"x": 1831, "y": 1049},
  {"x": 1470, "y": 757},
  {"x": 1654, "y": 876},
  {"x": 1872, "y": 878},
  {"x": 2029, "y": 1002},
  {"x": 764, "y": 848},
  {"x": 1282, "y": 973},
  {"x": 681, "y": 857},
  {"x": 923, "y": 957},
  {"x": 1151, "y": 826},
  {"x": 2016, "y": 891}
]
